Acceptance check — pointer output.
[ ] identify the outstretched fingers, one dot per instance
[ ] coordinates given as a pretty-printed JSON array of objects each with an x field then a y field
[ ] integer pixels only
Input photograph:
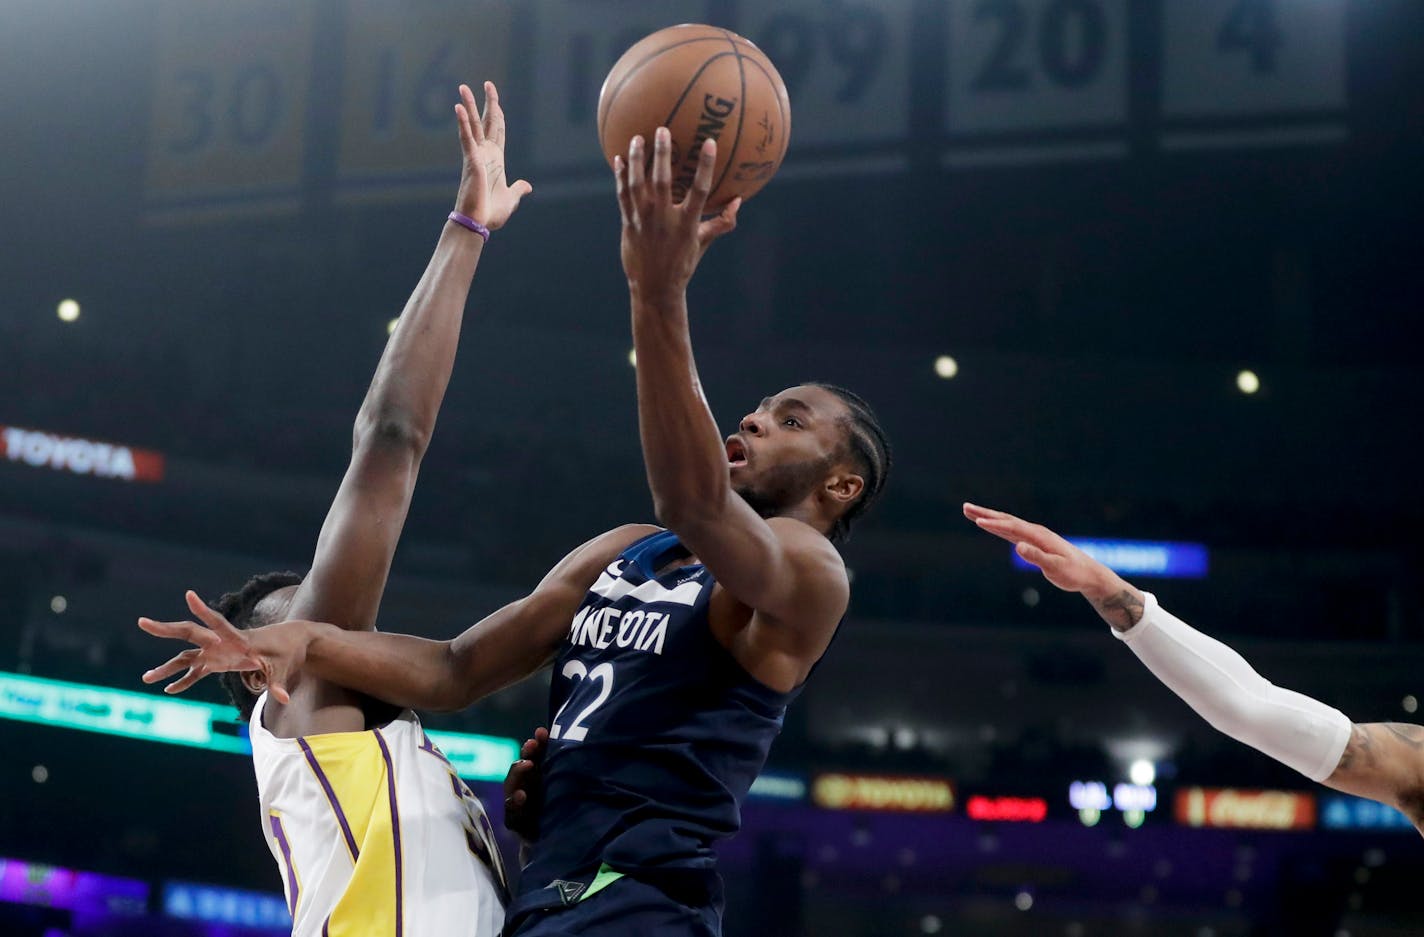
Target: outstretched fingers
[
  {"x": 625, "y": 195},
  {"x": 211, "y": 617},
  {"x": 974, "y": 512},
  {"x": 662, "y": 166},
  {"x": 467, "y": 135},
  {"x": 1017, "y": 529},
  {"x": 1007, "y": 528},
  {"x": 278, "y": 690},
  {"x": 696, "y": 200},
  {"x": 724, "y": 222},
  {"x": 1037, "y": 556},
  {"x": 637, "y": 170},
  {"x": 472, "y": 114},
  {"x": 493, "y": 128},
  {"x": 180, "y": 661},
  {"x": 189, "y": 631},
  {"x": 195, "y": 673}
]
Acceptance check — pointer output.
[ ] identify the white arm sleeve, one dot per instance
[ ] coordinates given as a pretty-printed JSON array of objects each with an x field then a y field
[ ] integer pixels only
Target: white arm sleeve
[{"x": 1296, "y": 730}]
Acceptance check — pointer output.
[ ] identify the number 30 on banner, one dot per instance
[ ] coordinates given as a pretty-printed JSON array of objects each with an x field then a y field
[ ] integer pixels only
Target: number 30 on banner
[{"x": 229, "y": 105}]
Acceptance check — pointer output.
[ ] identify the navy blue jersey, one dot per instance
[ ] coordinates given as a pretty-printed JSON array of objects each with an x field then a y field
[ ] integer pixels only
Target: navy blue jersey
[{"x": 656, "y": 732}]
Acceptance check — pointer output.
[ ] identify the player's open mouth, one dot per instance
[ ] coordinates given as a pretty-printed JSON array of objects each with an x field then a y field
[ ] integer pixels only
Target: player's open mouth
[{"x": 736, "y": 453}]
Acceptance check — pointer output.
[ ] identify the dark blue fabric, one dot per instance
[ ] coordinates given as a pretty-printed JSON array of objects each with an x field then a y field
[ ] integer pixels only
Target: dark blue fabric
[
  {"x": 628, "y": 907},
  {"x": 676, "y": 730}
]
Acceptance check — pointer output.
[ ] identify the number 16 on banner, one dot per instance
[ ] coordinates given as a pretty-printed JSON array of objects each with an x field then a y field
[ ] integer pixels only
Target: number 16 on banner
[{"x": 403, "y": 63}]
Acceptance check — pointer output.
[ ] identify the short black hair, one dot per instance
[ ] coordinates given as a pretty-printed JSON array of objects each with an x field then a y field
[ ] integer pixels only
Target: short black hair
[
  {"x": 239, "y": 608},
  {"x": 868, "y": 448}
]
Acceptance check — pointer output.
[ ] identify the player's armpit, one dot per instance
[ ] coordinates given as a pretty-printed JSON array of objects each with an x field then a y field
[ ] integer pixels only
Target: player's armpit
[{"x": 1384, "y": 761}]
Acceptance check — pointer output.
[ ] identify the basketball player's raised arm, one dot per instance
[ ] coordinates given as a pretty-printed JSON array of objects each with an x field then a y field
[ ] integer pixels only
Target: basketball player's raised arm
[
  {"x": 404, "y": 670},
  {"x": 782, "y": 568},
  {"x": 396, "y": 420},
  {"x": 1381, "y": 761}
]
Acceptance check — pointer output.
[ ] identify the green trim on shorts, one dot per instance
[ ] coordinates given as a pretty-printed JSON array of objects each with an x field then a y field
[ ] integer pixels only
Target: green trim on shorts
[{"x": 606, "y": 876}]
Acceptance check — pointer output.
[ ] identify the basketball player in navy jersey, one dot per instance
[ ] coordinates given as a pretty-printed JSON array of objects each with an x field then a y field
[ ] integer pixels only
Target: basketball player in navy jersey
[{"x": 675, "y": 651}]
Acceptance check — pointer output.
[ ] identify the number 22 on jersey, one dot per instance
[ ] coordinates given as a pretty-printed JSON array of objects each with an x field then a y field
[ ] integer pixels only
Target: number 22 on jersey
[{"x": 578, "y": 672}]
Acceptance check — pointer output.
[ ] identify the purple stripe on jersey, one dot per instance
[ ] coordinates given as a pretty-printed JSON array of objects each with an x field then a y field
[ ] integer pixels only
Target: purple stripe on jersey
[
  {"x": 395, "y": 828},
  {"x": 331, "y": 797},
  {"x": 293, "y": 889}
]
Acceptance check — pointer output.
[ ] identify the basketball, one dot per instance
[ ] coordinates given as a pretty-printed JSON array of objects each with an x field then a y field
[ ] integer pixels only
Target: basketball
[{"x": 699, "y": 82}]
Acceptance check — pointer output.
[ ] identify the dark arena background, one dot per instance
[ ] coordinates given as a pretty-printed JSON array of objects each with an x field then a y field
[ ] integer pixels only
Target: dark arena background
[{"x": 1148, "y": 272}]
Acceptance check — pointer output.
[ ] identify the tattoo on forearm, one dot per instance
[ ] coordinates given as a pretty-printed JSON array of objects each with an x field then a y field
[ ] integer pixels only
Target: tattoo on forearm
[
  {"x": 1362, "y": 752},
  {"x": 1373, "y": 756},
  {"x": 1409, "y": 734},
  {"x": 1122, "y": 610}
]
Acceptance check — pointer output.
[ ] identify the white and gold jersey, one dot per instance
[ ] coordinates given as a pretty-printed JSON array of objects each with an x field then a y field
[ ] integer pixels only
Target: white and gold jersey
[{"x": 375, "y": 835}]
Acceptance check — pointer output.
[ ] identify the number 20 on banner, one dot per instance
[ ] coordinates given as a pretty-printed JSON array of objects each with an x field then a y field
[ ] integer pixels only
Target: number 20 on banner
[{"x": 1035, "y": 65}]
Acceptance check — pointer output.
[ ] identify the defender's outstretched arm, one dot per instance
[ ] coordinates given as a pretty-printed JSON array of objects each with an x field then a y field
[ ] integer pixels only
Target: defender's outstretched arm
[
  {"x": 397, "y": 418},
  {"x": 1382, "y": 761}
]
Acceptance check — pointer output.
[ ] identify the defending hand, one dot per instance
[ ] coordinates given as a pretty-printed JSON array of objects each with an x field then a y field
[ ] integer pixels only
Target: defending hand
[{"x": 485, "y": 194}]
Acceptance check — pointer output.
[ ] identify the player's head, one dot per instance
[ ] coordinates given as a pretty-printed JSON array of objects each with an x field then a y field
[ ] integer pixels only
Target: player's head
[
  {"x": 815, "y": 448},
  {"x": 262, "y": 600}
]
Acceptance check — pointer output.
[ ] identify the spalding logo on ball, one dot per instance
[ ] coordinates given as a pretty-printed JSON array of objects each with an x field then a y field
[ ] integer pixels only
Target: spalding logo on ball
[{"x": 700, "y": 82}]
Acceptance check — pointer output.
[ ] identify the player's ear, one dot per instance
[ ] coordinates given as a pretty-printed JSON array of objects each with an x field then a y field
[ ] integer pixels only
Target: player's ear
[
  {"x": 844, "y": 487},
  {"x": 255, "y": 681}
]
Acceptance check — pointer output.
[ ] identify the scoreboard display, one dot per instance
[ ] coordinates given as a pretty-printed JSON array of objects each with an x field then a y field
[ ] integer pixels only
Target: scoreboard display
[{"x": 254, "y": 104}]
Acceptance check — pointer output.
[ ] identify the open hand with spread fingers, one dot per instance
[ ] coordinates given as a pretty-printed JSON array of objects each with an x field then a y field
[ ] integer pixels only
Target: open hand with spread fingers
[
  {"x": 663, "y": 239},
  {"x": 485, "y": 194},
  {"x": 1064, "y": 565},
  {"x": 274, "y": 650}
]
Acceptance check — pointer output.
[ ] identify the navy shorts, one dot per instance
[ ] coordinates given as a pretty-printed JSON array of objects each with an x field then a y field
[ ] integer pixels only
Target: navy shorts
[{"x": 628, "y": 906}]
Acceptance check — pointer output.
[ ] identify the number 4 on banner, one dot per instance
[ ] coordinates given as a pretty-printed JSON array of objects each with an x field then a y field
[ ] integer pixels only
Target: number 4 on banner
[{"x": 1252, "y": 27}]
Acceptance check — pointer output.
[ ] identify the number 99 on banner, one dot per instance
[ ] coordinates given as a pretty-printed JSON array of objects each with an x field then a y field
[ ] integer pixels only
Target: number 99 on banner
[{"x": 845, "y": 64}]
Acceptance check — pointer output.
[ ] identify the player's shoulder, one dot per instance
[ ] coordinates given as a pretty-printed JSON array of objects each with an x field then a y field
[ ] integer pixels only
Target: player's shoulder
[
  {"x": 613, "y": 542},
  {"x": 808, "y": 545},
  {"x": 594, "y": 555}
]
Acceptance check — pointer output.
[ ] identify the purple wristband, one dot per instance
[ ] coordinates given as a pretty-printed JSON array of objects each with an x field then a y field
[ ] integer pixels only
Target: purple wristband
[{"x": 467, "y": 222}]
